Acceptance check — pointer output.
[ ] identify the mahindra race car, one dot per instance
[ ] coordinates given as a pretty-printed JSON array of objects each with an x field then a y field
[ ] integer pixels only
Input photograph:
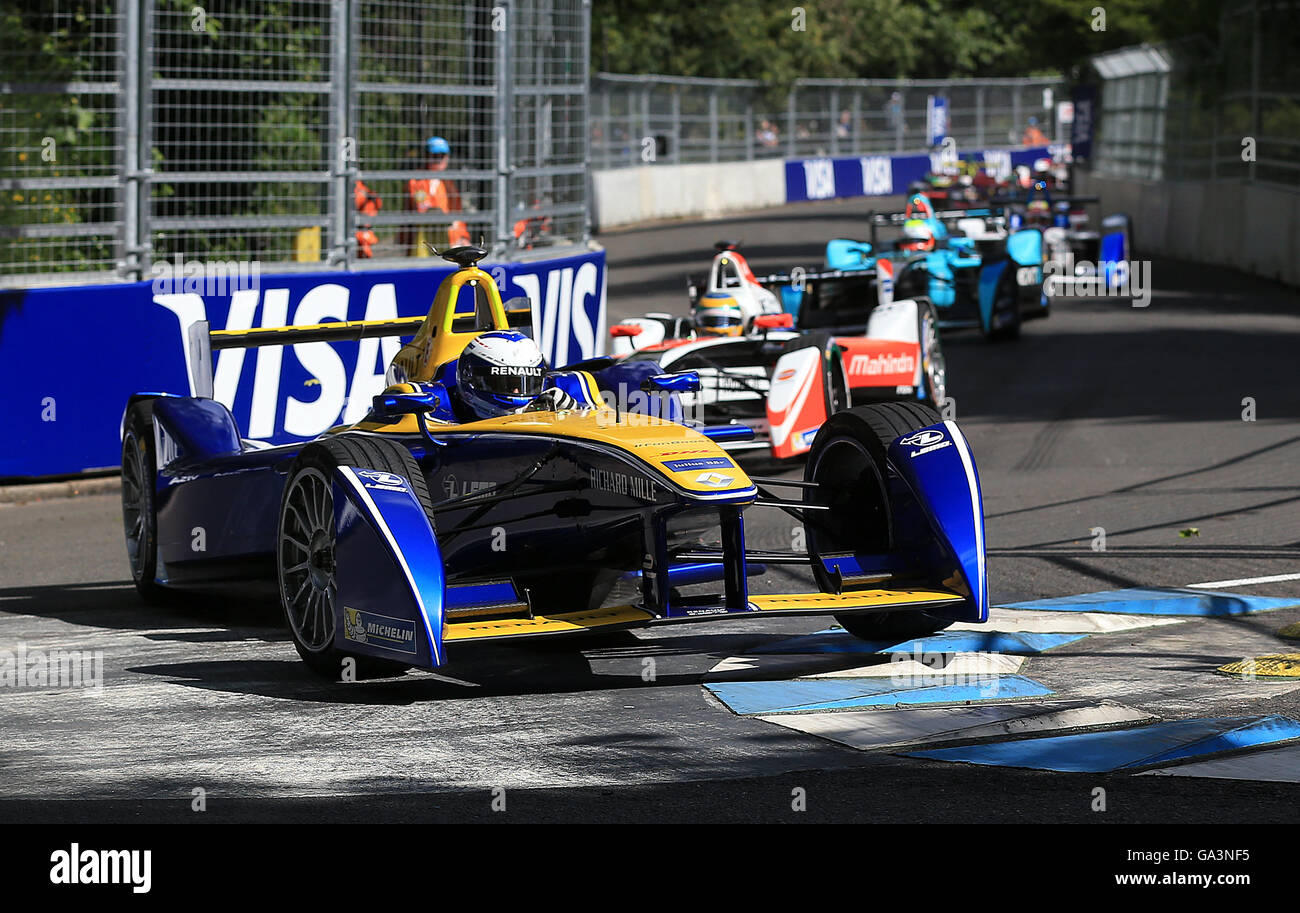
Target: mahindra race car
[
  {"x": 980, "y": 278},
  {"x": 404, "y": 538},
  {"x": 783, "y": 353}
]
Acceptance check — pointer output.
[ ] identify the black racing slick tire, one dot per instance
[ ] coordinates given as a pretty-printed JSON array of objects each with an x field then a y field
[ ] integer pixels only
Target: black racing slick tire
[
  {"x": 848, "y": 463},
  {"x": 305, "y": 539},
  {"x": 934, "y": 366},
  {"x": 139, "y": 506},
  {"x": 1004, "y": 321}
]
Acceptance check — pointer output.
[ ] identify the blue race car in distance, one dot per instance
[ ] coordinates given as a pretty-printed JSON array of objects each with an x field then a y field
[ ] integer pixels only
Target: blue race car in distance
[
  {"x": 979, "y": 278},
  {"x": 399, "y": 540}
]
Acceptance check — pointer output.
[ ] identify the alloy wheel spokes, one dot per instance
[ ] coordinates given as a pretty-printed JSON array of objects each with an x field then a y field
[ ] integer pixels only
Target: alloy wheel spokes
[{"x": 306, "y": 572}]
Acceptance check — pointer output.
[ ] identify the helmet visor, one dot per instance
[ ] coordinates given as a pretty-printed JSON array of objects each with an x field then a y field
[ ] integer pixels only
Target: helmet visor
[{"x": 505, "y": 380}]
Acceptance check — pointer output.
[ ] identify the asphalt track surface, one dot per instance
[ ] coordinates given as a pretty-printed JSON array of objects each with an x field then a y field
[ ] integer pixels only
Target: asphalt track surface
[{"x": 1104, "y": 415}]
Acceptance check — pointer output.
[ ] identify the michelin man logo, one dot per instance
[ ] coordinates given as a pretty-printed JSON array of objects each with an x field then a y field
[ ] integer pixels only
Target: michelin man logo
[{"x": 353, "y": 628}]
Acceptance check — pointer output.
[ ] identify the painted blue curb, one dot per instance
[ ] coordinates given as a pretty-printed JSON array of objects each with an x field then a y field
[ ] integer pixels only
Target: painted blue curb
[
  {"x": 1159, "y": 601},
  {"x": 747, "y": 698},
  {"x": 1145, "y": 746},
  {"x": 1013, "y": 643}
]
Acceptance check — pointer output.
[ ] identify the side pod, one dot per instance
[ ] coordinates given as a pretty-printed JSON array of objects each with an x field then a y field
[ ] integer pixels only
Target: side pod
[
  {"x": 391, "y": 586},
  {"x": 937, "y": 466}
]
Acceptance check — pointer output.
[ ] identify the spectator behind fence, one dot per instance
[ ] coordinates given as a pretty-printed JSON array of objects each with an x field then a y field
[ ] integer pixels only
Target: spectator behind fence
[
  {"x": 844, "y": 128},
  {"x": 427, "y": 194},
  {"x": 766, "y": 134},
  {"x": 368, "y": 203},
  {"x": 1033, "y": 136}
]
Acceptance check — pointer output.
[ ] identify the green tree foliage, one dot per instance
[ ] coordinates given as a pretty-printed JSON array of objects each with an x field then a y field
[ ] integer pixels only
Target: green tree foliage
[{"x": 756, "y": 39}]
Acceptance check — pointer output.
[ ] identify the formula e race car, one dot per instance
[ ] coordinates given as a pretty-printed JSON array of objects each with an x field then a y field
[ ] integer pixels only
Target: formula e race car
[
  {"x": 399, "y": 540},
  {"x": 783, "y": 353},
  {"x": 978, "y": 278}
]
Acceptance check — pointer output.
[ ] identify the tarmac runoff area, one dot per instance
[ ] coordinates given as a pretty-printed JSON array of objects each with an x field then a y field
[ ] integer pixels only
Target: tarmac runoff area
[{"x": 1102, "y": 668}]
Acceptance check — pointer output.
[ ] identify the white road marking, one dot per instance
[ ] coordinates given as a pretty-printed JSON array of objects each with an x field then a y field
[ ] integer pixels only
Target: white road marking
[
  {"x": 1030, "y": 621},
  {"x": 918, "y": 672},
  {"x": 1277, "y": 765},
  {"x": 1244, "y": 581},
  {"x": 868, "y": 729}
]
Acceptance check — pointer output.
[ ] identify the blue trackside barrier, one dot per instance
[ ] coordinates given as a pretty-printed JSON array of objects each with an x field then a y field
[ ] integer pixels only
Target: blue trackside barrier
[
  {"x": 885, "y": 175},
  {"x": 70, "y": 357}
]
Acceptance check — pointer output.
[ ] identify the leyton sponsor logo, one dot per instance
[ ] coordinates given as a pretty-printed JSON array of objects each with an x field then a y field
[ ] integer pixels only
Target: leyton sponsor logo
[
  {"x": 378, "y": 630},
  {"x": 620, "y": 483},
  {"x": 455, "y": 488}
]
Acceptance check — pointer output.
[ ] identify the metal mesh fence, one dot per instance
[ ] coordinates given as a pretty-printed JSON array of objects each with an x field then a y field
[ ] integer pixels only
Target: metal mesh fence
[
  {"x": 636, "y": 120},
  {"x": 61, "y": 139},
  {"x": 1193, "y": 111},
  {"x": 295, "y": 133}
]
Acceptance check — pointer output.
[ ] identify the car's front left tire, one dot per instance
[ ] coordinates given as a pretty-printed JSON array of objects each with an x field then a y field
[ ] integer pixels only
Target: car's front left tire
[{"x": 306, "y": 536}]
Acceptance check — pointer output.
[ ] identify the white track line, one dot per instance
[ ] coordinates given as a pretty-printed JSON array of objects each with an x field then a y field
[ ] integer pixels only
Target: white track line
[{"x": 1245, "y": 581}]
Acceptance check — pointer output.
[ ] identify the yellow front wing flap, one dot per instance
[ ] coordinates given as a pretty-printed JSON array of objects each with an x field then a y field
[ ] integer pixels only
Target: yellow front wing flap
[
  {"x": 632, "y": 617},
  {"x": 821, "y": 603}
]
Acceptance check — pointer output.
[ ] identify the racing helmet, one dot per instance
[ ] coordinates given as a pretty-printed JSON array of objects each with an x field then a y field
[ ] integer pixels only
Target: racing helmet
[
  {"x": 918, "y": 235},
  {"x": 499, "y": 372},
  {"x": 719, "y": 315}
]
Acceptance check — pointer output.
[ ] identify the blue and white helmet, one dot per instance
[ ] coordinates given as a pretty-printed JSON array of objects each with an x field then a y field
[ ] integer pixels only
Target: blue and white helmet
[{"x": 499, "y": 372}]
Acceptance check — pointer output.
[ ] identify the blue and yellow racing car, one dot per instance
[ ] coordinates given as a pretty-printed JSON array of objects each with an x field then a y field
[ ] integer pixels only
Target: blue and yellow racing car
[{"x": 486, "y": 497}]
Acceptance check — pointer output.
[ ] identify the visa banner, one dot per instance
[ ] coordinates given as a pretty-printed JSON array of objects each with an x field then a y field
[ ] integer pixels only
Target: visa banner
[
  {"x": 70, "y": 357},
  {"x": 886, "y": 175}
]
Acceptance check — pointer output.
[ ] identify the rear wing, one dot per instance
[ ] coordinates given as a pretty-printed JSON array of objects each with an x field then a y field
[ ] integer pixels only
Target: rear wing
[{"x": 201, "y": 340}]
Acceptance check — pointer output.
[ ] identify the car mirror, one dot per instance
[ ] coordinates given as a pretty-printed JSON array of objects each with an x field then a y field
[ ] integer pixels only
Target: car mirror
[
  {"x": 681, "y": 382},
  {"x": 409, "y": 403}
]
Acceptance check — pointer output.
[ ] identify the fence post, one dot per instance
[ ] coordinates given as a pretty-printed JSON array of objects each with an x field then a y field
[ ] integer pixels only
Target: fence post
[
  {"x": 130, "y": 263},
  {"x": 1254, "y": 82},
  {"x": 749, "y": 129},
  {"x": 900, "y": 119},
  {"x": 790, "y": 121},
  {"x": 835, "y": 121},
  {"x": 1017, "y": 123},
  {"x": 504, "y": 104},
  {"x": 676, "y": 133},
  {"x": 341, "y": 163},
  {"x": 979, "y": 118},
  {"x": 713, "y": 124},
  {"x": 857, "y": 123}
]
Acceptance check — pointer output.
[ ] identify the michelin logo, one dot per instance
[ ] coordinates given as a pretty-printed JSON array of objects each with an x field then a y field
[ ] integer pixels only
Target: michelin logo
[{"x": 396, "y": 634}]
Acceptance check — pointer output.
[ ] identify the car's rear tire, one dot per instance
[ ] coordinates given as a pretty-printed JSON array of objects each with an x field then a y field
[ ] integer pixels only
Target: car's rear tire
[
  {"x": 1004, "y": 320},
  {"x": 934, "y": 366},
  {"x": 139, "y": 506},
  {"x": 848, "y": 463},
  {"x": 305, "y": 540}
]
